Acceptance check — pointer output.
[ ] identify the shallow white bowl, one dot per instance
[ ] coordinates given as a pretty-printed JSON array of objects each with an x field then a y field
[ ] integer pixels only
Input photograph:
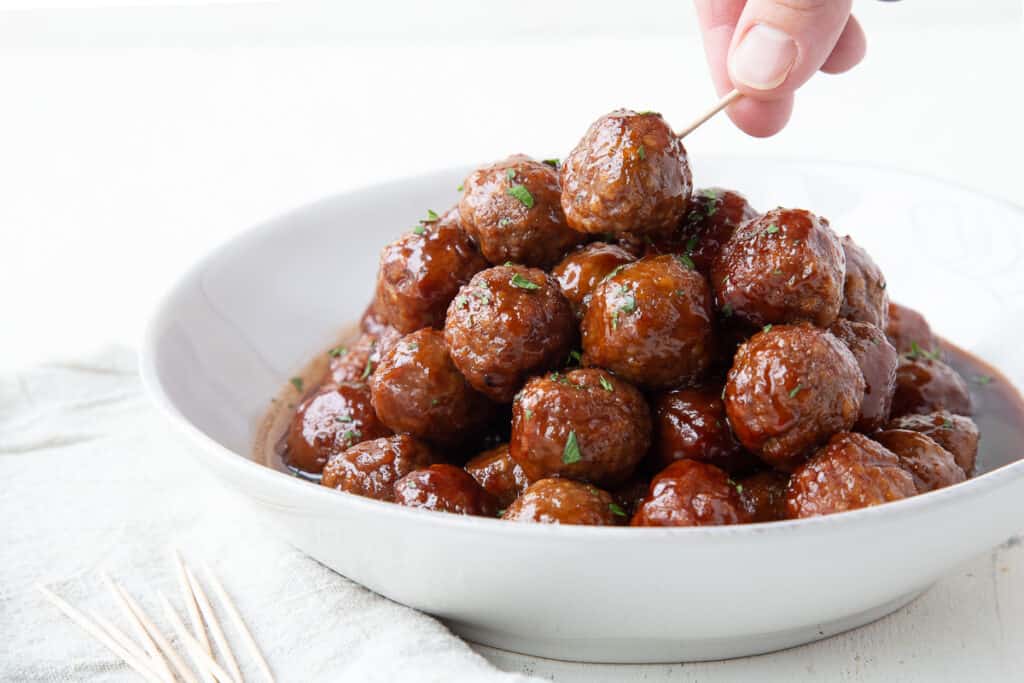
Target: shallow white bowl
[{"x": 245, "y": 319}]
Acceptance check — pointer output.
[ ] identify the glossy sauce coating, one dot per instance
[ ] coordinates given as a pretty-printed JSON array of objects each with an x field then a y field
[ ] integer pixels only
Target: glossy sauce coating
[
  {"x": 851, "y": 472},
  {"x": 785, "y": 266},
  {"x": 444, "y": 488},
  {"x": 713, "y": 217},
  {"x": 565, "y": 501},
  {"x": 956, "y": 433},
  {"x": 585, "y": 424},
  {"x": 651, "y": 323},
  {"x": 499, "y": 474},
  {"x": 931, "y": 466},
  {"x": 418, "y": 390},
  {"x": 878, "y": 361},
  {"x": 924, "y": 385},
  {"x": 371, "y": 468},
  {"x": 421, "y": 272},
  {"x": 357, "y": 362},
  {"x": 508, "y": 323},
  {"x": 764, "y": 495},
  {"x": 513, "y": 210},
  {"x": 691, "y": 424},
  {"x": 791, "y": 388},
  {"x": 328, "y": 422},
  {"x": 907, "y": 329},
  {"x": 629, "y": 173},
  {"x": 691, "y": 493},
  {"x": 582, "y": 270},
  {"x": 865, "y": 299}
]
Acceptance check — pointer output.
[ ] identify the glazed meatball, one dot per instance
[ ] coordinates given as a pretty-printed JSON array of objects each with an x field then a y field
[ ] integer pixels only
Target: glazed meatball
[
  {"x": 417, "y": 390},
  {"x": 785, "y": 266},
  {"x": 421, "y": 272},
  {"x": 585, "y": 424},
  {"x": 691, "y": 424},
  {"x": 629, "y": 173},
  {"x": 790, "y": 388},
  {"x": 908, "y": 331},
  {"x": 956, "y": 433},
  {"x": 373, "y": 322},
  {"x": 764, "y": 495},
  {"x": 445, "y": 488},
  {"x": 850, "y": 472},
  {"x": 924, "y": 385},
  {"x": 508, "y": 323},
  {"x": 513, "y": 210},
  {"x": 878, "y": 362},
  {"x": 864, "y": 297},
  {"x": 371, "y": 468},
  {"x": 330, "y": 421},
  {"x": 564, "y": 501},
  {"x": 651, "y": 324},
  {"x": 691, "y": 493},
  {"x": 585, "y": 268},
  {"x": 714, "y": 215},
  {"x": 931, "y": 466},
  {"x": 357, "y": 362},
  {"x": 499, "y": 474}
]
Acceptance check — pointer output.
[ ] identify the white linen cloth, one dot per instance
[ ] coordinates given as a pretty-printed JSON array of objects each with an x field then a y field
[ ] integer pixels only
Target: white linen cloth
[{"x": 93, "y": 480}]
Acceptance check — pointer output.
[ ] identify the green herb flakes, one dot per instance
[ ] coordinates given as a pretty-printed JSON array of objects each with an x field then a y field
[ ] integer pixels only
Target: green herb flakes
[
  {"x": 338, "y": 351},
  {"x": 527, "y": 413},
  {"x": 983, "y": 379},
  {"x": 771, "y": 229},
  {"x": 571, "y": 453},
  {"x": 460, "y": 188},
  {"x": 552, "y": 162},
  {"x": 419, "y": 230},
  {"x": 432, "y": 215},
  {"x": 523, "y": 283},
  {"x": 727, "y": 310},
  {"x": 510, "y": 173},
  {"x": 368, "y": 370},
  {"x": 686, "y": 261},
  {"x": 796, "y": 390},
  {"x": 616, "y": 510},
  {"x": 605, "y": 384},
  {"x": 642, "y": 153},
  {"x": 522, "y": 194},
  {"x": 767, "y": 328},
  {"x": 297, "y": 383}
]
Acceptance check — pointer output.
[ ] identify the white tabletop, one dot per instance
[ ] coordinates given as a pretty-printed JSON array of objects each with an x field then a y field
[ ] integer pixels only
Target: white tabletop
[{"x": 133, "y": 139}]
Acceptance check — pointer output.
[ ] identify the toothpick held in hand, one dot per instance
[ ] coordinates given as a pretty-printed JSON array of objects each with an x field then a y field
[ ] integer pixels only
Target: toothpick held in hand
[{"x": 721, "y": 104}]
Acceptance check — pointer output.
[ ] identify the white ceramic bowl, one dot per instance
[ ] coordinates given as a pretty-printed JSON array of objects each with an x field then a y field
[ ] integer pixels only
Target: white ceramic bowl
[{"x": 246, "y": 318}]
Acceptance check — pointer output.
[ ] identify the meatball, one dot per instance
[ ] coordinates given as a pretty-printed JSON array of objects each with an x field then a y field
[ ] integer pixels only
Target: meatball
[
  {"x": 956, "y": 433},
  {"x": 630, "y": 495},
  {"x": 764, "y": 495},
  {"x": 508, "y": 323},
  {"x": 373, "y": 322},
  {"x": 924, "y": 385},
  {"x": 790, "y": 388},
  {"x": 513, "y": 210},
  {"x": 585, "y": 424},
  {"x": 371, "y": 468},
  {"x": 931, "y": 466},
  {"x": 908, "y": 331},
  {"x": 357, "y": 362},
  {"x": 564, "y": 501},
  {"x": 445, "y": 488},
  {"x": 714, "y": 215},
  {"x": 850, "y": 472},
  {"x": 585, "y": 268},
  {"x": 691, "y": 493},
  {"x": 785, "y": 266},
  {"x": 691, "y": 424},
  {"x": 651, "y": 323},
  {"x": 417, "y": 390},
  {"x": 499, "y": 474},
  {"x": 328, "y": 422},
  {"x": 864, "y": 297},
  {"x": 629, "y": 173},
  {"x": 878, "y": 362},
  {"x": 421, "y": 272}
]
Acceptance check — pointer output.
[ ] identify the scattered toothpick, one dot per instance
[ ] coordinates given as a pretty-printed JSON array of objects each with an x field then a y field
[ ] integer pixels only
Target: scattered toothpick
[
  {"x": 222, "y": 595},
  {"x": 728, "y": 99},
  {"x": 211, "y": 620}
]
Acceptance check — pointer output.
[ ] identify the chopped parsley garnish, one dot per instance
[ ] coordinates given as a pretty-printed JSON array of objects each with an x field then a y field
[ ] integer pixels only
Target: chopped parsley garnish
[
  {"x": 523, "y": 283},
  {"x": 504, "y": 221},
  {"x": 522, "y": 194},
  {"x": 432, "y": 215},
  {"x": 739, "y": 488},
  {"x": 527, "y": 413},
  {"x": 796, "y": 390},
  {"x": 460, "y": 188},
  {"x": 433, "y": 402},
  {"x": 691, "y": 244},
  {"x": 344, "y": 417},
  {"x": 767, "y": 328},
  {"x": 727, "y": 310},
  {"x": 552, "y": 162},
  {"x": 297, "y": 383},
  {"x": 686, "y": 261},
  {"x": 983, "y": 379},
  {"x": 616, "y": 510},
  {"x": 629, "y": 304},
  {"x": 338, "y": 351},
  {"x": 615, "y": 271},
  {"x": 500, "y": 512},
  {"x": 368, "y": 369},
  {"x": 461, "y": 301},
  {"x": 605, "y": 384},
  {"x": 510, "y": 173},
  {"x": 575, "y": 357},
  {"x": 571, "y": 453},
  {"x": 642, "y": 153},
  {"x": 947, "y": 424},
  {"x": 419, "y": 230},
  {"x": 917, "y": 352},
  {"x": 771, "y": 229},
  {"x": 484, "y": 296},
  {"x": 507, "y": 264},
  {"x": 413, "y": 347},
  {"x": 351, "y": 435},
  {"x": 709, "y": 193}
]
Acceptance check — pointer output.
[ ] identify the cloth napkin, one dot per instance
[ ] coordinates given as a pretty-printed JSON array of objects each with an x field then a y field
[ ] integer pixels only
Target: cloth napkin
[{"x": 93, "y": 480}]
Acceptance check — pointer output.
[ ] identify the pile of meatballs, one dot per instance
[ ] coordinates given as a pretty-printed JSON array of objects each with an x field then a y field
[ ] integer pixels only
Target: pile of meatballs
[{"x": 592, "y": 341}]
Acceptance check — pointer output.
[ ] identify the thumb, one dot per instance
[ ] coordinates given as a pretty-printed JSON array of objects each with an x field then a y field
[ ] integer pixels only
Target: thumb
[{"x": 779, "y": 44}]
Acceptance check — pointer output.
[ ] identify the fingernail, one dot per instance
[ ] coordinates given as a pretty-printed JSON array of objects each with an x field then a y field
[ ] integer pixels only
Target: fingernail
[{"x": 763, "y": 58}]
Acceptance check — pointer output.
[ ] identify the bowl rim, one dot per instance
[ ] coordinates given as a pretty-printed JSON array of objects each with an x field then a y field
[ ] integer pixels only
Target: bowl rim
[{"x": 247, "y": 468}]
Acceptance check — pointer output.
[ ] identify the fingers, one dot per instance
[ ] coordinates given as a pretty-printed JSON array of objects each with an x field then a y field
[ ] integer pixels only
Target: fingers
[
  {"x": 849, "y": 50},
  {"x": 779, "y": 44}
]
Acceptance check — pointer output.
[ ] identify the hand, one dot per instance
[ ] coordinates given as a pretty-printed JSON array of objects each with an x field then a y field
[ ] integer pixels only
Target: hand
[{"x": 769, "y": 48}]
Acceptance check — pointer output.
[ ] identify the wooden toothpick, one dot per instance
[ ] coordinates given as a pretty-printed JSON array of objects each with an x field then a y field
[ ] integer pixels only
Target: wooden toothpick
[{"x": 719, "y": 106}]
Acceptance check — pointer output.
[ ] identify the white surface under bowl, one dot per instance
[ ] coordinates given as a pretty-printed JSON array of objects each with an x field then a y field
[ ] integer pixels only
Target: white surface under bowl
[{"x": 250, "y": 315}]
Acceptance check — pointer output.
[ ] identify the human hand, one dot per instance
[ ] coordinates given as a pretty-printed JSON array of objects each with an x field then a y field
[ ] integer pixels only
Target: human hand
[{"x": 767, "y": 49}]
